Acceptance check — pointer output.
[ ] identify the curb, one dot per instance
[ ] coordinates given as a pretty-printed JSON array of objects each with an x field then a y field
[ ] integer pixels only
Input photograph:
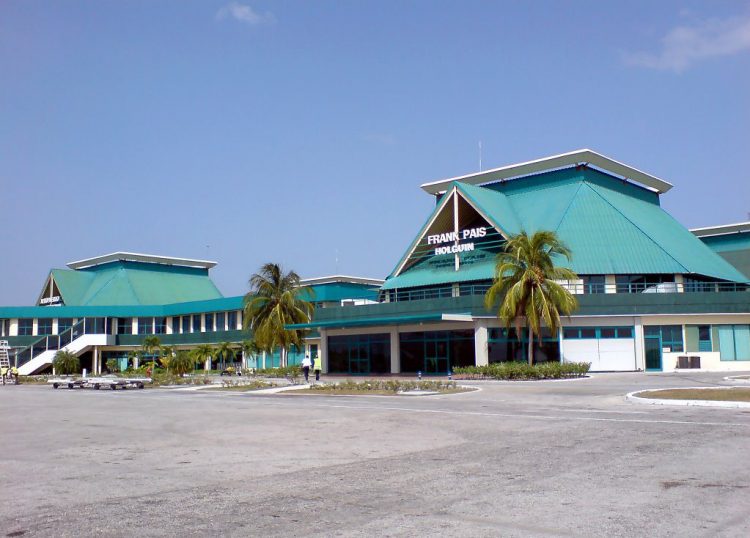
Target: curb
[
  {"x": 633, "y": 397},
  {"x": 736, "y": 379}
]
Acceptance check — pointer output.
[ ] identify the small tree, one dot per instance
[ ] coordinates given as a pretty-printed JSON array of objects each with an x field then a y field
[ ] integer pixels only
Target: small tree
[
  {"x": 224, "y": 351},
  {"x": 181, "y": 363},
  {"x": 66, "y": 363},
  {"x": 167, "y": 354},
  {"x": 202, "y": 353},
  {"x": 152, "y": 346},
  {"x": 113, "y": 366}
]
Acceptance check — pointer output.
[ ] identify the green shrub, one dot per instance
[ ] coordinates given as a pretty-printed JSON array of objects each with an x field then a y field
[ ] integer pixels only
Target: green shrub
[
  {"x": 66, "y": 363},
  {"x": 515, "y": 370},
  {"x": 292, "y": 372},
  {"x": 386, "y": 385}
]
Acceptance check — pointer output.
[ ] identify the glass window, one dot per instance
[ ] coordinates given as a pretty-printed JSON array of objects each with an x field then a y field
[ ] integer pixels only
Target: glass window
[
  {"x": 44, "y": 326},
  {"x": 25, "y": 327},
  {"x": 185, "y": 324},
  {"x": 359, "y": 354},
  {"x": 209, "y": 317},
  {"x": 220, "y": 318},
  {"x": 624, "y": 332},
  {"x": 704, "y": 338},
  {"x": 671, "y": 336},
  {"x": 593, "y": 284},
  {"x": 588, "y": 332},
  {"x": 124, "y": 325},
  {"x": 95, "y": 325},
  {"x": 176, "y": 325},
  {"x": 196, "y": 323},
  {"x": 4, "y": 327},
  {"x": 608, "y": 332},
  {"x": 160, "y": 325},
  {"x": 571, "y": 332},
  {"x": 232, "y": 321},
  {"x": 145, "y": 325},
  {"x": 63, "y": 324}
]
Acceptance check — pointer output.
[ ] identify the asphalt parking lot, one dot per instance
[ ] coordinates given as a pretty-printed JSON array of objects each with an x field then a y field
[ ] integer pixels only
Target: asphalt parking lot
[{"x": 569, "y": 458}]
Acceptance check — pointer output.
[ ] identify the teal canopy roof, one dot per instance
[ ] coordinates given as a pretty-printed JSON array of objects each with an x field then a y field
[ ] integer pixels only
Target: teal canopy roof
[
  {"x": 128, "y": 283},
  {"x": 611, "y": 226}
]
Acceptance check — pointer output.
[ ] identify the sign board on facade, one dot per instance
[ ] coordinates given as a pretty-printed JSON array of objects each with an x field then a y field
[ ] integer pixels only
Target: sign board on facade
[
  {"x": 454, "y": 237},
  {"x": 48, "y": 301}
]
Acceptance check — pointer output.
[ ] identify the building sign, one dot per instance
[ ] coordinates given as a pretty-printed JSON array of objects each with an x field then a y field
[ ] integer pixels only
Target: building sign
[
  {"x": 454, "y": 237},
  {"x": 49, "y": 301}
]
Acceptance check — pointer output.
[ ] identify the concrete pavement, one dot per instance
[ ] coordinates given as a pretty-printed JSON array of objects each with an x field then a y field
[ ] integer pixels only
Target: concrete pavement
[{"x": 514, "y": 459}]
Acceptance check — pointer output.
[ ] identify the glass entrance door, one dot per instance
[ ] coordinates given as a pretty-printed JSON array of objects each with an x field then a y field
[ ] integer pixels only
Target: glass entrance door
[
  {"x": 359, "y": 358},
  {"x": 653, "y": 353},
  {"x": 436, "y": 356}
]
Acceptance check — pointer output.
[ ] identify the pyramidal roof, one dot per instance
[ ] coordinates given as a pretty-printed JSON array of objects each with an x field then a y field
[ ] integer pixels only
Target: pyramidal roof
[
  {"x": 611, "y": 226},
  {"x": 127, "y": 279}
]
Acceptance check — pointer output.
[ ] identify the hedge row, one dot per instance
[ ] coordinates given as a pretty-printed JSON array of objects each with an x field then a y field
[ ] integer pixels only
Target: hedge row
[
  {"x": 522, "y": 370},
  {"x": 386, "y": 385},
  {"x": 293, "y": 371}
]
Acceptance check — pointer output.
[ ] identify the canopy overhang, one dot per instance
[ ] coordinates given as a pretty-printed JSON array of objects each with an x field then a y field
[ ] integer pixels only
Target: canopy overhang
[{"x": 586, "y": 156}]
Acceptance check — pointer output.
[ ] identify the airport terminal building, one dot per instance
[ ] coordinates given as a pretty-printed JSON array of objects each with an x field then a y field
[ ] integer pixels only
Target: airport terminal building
[{"x": 653, "y": 295}]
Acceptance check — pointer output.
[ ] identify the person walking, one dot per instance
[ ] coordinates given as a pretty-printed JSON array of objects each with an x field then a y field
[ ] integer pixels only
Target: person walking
[
  {"x": 306, "y": 367},
  {"x": 14, "y": 374},
  {"x": 317, "y": 366},
  {"x": 4, "y": 372}
]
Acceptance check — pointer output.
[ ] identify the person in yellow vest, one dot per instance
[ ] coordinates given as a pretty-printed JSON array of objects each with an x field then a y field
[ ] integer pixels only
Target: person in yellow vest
[
  {"x": 317, "y": 366},
  {"x": 14, "y": 374},
  {"x": 4, "y": 372}
]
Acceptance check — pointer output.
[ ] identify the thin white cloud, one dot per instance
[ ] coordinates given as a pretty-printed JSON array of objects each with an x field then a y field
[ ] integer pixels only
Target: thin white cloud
[
  {"x": 686, "y": 45},
  {"x": 245, "y": 14}
]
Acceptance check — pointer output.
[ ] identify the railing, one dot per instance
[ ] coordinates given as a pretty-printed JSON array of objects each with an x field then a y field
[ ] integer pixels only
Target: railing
[
  {"x": 576, "y": 288},
  {"x": 51, "y": 342}
]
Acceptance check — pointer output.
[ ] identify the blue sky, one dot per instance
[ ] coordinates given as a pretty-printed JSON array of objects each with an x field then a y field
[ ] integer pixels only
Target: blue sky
[{"x": 299, "y": 132}]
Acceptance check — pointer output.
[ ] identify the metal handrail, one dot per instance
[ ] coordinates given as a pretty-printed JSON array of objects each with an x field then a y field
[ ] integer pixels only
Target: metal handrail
[
  {"x": 50, "y": 341},
  {"x": 576, "y": 288}
]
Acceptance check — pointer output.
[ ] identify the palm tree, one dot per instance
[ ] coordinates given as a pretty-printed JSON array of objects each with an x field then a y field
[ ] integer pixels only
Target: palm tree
[
  {"x": 225, "y": 350},
  {"x": 525, "y": 284},
  {"x": 66, "y": 363},
  {"x": 152, "y": 346},
  {"x": 273, "y": 302},
  {"x": 181, "y": 363},
  {"x": 249, "y": 348},
  {"x": 167, "y": 354},
  {"x": 202, "y": 353}
]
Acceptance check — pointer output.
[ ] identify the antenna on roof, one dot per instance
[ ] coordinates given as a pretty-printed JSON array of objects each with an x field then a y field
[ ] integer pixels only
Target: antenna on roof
[
  {"x": 337, "y": 261},
  {"x": 480, "y": 155}
]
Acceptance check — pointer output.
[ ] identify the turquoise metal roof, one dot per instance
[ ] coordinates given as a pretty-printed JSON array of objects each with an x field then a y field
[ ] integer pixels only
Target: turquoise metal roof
[
  {"x": 337, "y": 291},
  {"x": 611, "y": 226},
  {"x": 133, "y": 283}
]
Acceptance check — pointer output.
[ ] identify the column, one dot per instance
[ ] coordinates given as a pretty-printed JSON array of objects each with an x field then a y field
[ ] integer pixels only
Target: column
[
  {"x": 395, "y": 352},
  {"x": 640, "y": 345},
  {"x": 679, "y": 282},
  {"x": 481, "y": 356},
  {"x": 610, "y": 284},
  {"x": 323, "y": 351},
  {"x": 94, "y": 361}
]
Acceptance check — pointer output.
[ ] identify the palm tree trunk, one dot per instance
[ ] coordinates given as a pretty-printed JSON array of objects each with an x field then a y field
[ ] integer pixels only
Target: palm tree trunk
[{"x": 531, "y": 346}]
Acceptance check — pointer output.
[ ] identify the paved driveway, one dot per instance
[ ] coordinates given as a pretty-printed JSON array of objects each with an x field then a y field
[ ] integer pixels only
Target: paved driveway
[{"x": 567, "y": 458}]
